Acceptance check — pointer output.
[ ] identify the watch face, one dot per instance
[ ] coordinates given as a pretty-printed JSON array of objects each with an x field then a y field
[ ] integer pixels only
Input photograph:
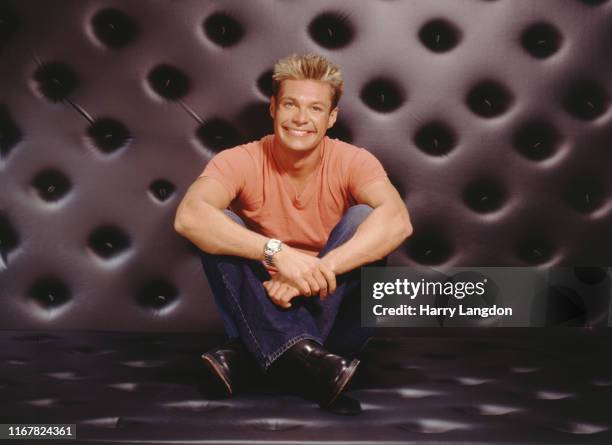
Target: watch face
[{"x": 274, "y": 244}]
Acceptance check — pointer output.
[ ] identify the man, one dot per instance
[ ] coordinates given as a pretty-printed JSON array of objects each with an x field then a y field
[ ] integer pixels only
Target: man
[{"x": 284, "y": 263}]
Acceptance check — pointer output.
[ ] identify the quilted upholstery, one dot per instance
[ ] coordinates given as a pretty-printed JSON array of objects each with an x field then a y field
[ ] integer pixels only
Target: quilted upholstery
[
  {"x": 491, "y": 117},
  {"x": 127, "y": 388}
]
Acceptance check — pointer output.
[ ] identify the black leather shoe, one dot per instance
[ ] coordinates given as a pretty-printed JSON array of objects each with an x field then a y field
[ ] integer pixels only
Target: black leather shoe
[
  {"x": 231, "y": 366},
  {"x": 325, "y": 374}
]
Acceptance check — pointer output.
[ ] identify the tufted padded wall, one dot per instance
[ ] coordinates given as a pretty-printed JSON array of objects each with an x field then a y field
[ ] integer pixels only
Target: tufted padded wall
[{"x": 492, "y": 118}]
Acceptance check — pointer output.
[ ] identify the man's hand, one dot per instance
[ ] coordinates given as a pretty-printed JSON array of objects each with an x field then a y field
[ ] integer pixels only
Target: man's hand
[
  {"x": 308, "y": 274},
  {"x": 280, "y": 293}
]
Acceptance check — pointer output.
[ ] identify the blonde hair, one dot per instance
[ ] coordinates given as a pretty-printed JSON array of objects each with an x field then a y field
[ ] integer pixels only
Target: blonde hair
[{"x": 311, "y": 67}]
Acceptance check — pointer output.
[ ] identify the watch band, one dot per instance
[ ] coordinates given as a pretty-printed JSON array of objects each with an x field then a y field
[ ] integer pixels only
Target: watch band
[{"x": 272, "y": 246}]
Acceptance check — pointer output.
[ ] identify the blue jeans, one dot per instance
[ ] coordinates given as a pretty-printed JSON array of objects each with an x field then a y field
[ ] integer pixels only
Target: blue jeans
[{"x": 268, "y": 330}]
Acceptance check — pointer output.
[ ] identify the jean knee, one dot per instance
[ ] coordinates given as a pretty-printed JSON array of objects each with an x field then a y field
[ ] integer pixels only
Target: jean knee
[
  {"x": 357, "y": 214},
  {"x": 234, "y": 217}
]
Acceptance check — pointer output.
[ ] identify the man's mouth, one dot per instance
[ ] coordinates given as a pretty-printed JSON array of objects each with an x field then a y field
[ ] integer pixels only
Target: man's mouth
[{"x": 298, "y": 133}]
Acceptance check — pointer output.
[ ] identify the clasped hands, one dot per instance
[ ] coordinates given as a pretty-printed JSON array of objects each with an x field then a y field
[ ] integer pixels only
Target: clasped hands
[{"x": 299, "y": 274}]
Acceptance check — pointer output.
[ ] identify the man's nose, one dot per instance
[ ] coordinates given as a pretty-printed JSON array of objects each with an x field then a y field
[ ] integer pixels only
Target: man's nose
[{"x": 300, "y": 117}]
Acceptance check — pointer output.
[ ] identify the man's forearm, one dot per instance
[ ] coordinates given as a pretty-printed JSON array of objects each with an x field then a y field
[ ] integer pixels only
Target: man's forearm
[
  {"x": 379, "y": 234},
  {"x": 212, "y": 231}
]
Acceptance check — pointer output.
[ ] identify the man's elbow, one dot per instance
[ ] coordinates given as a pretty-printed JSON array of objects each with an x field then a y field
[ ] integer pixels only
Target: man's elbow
[
  {"x": 402, "y": 226},
  {"x": 408, "y": 231},
  {"x": 406, "y": 227},
  {"x": 179, "y": 226},
  {"x": 187, "y": 213},
  {"x": 181, "y": 221}
]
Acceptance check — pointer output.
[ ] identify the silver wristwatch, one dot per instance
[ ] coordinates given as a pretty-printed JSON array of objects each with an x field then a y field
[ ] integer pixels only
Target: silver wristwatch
[{"x": 272, "y": 246}]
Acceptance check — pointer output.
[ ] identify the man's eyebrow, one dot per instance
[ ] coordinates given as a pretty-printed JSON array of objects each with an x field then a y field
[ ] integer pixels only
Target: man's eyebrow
[{"x": 316, "y": 102}]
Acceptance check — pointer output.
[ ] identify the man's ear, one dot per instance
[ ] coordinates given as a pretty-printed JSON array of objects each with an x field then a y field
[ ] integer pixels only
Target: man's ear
[
  {"x": 272, "y": 107},
  {"x": 333, "y": 115}
]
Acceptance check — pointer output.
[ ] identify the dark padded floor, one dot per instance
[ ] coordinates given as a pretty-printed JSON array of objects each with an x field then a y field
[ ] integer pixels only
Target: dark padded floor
[{"x": 148, "y": 388}]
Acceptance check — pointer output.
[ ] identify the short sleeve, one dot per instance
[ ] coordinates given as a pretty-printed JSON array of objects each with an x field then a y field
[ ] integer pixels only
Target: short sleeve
[
  {"x": 363, "y": 168},
  {"x": 231, "y": 168}
]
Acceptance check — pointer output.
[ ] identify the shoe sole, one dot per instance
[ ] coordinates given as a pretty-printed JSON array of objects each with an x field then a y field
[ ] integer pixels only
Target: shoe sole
[
  {"x": 217, "y": 372},
  {"x": 348, "y": 375}
]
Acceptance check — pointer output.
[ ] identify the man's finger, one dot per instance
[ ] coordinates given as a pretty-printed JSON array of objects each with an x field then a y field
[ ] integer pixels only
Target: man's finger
[
  {"x": 304, "y": 287},
  {"x": 314, "y": 286},
  {"x": 277, "y": 301},
  {"x": 285, "y": 296},
  {"x": 331, "y": 279},
  {"x": 273, "y": 288},
  {"x": 322, "y": 283},
  {"x": 278, "y": 294}
]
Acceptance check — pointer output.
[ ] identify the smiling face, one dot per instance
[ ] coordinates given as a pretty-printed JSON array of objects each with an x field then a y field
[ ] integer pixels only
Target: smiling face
[{"x": 302, "y": 113}]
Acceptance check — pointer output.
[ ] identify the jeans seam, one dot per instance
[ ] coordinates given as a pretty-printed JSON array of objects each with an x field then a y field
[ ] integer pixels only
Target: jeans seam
[
  {"x": 239, "y": 310},
  {"x": 279, "y": 351}
]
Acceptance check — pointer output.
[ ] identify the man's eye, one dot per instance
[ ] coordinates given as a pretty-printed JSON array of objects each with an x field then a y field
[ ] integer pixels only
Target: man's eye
[
  {"x": 317, "y": 109},
  {"x": 288, "y": 104}
]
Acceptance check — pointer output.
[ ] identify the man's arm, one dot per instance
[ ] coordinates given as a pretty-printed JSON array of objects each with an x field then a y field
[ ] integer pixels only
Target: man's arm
[
  {"x": 200, "y": 219},
  {"x": 379, "y": 234}
]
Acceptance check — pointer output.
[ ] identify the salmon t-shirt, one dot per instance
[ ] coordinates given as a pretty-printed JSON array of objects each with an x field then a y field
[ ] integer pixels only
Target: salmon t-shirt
[{"x": 267, "y": 202}]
